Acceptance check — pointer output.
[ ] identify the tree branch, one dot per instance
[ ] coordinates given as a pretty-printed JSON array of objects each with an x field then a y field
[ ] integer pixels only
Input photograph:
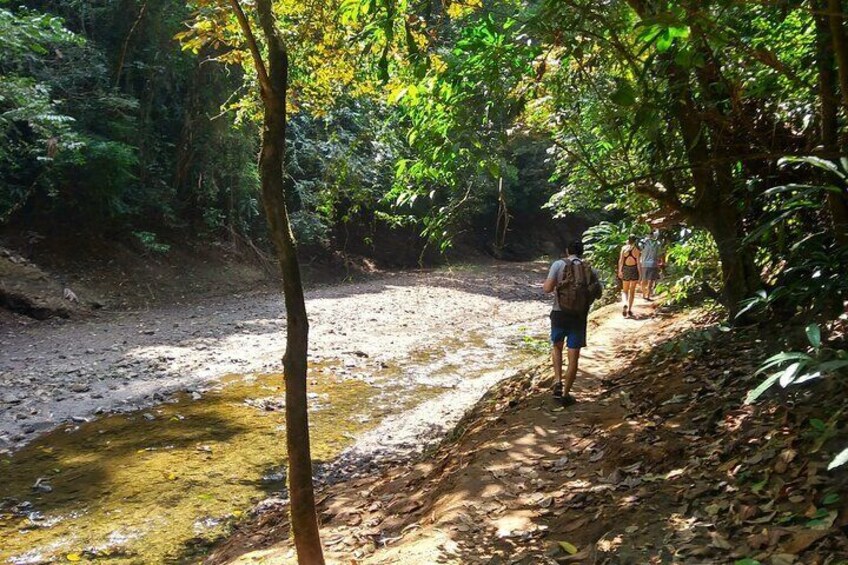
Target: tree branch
[
  {"x": 120, "y": 68},
  {"x": 252, "y": 44}
]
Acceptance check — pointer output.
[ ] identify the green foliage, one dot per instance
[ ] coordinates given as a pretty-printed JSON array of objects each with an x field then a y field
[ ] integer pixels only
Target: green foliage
[
  {"x": 32, "y": 125},
  {"x": 798, "y": 367},
  {"x": 149, "y": 241},
  {"x": 104, "y": 122},
  {"x": 535, "y": 345},
  {"x": 340, "y": 164},
  {"x": 692, "y": 261},
  {"x": 806, "y": 265},
  {"x": 603, "y": 244},
  {"x": 458, "y": 115}
]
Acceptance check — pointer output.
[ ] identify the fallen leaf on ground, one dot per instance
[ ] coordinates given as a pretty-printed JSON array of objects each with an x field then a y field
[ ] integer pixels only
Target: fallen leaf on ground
[
  {"x": 567, "y": 547},
  {"x": 802, "y": 539},
  {"x": 576, "y": 525},
  {"x": 719, "y": 541},
  {"x": 579, "y": 557},
  {"x": 782, "y": 559}
]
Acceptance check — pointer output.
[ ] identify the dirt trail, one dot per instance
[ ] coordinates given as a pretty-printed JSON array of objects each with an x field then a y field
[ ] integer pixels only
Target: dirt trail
[
  {"x": 498, "y": 502},
  {"x": 59, "y": 371},
  {"x": 442, "y": 506}
]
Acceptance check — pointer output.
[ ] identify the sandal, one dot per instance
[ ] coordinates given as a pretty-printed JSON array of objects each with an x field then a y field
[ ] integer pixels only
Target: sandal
[
  {"x": 624, "y": 312},
  {"x": 558, "y": 391}
]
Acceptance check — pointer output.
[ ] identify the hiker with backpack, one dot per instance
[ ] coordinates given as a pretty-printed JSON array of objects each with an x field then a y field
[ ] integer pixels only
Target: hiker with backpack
[
  {"x": 575, "y": 286},
  {"x": 653, "y": 260}
]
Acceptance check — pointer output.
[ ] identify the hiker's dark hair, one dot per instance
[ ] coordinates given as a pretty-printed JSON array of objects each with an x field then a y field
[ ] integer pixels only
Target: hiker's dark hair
[
  {"x": 631, "y": 239},
  {"x": 575, "y": 247}
]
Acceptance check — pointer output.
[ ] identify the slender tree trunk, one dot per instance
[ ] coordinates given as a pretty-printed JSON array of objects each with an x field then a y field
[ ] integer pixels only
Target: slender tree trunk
[
  {"x": 271, "y": 165},
  {"x": 835, "y": 18},
  {"x": 274, "y": 84},
  {"x": 829, "y": 111},
  {"x": 119, "y": 69}
]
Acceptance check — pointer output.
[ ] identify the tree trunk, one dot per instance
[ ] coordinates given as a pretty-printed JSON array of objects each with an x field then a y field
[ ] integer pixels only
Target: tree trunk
[
  {"x": 739, "y": 274},
  {"x": 274, "y": 85},
  {"x": 304, "y": 521},
  {"x": 840, "y": 46},
  {"x": 829, "y": 110}
]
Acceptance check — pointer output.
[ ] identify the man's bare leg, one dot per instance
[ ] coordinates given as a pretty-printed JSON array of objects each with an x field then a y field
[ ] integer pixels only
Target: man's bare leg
[
  {"x": 571, "y": 372},
  {"x": 556, "y": 358}
]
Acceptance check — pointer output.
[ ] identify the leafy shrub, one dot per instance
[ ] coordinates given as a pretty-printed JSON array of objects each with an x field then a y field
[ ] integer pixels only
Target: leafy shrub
[
  {"x": 798, "y": 367},
  {"x": 309, "y": 229},
  {"x": 805, "y": 265},
  {"x": 150, "y": 242},
  {"x": 603, "y": 245},
  {"x": 691, "y": 261}
]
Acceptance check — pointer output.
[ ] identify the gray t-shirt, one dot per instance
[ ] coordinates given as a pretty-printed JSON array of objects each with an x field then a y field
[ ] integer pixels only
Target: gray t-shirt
[
  {"x": 555, "y": 274},
  {"x": 650, "y": 253}
]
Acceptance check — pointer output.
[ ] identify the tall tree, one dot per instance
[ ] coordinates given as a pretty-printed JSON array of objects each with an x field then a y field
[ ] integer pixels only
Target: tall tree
[
  {"x": 273, "y": 77},
  {"x": 830, "y": 39}
]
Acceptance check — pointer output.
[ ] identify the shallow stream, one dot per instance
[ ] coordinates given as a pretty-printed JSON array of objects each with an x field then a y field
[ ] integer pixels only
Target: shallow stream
[{"x": 156, "y": 485}]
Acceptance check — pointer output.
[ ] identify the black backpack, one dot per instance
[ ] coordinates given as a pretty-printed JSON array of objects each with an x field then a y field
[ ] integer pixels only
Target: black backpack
[{"x": 578, "y": 288}]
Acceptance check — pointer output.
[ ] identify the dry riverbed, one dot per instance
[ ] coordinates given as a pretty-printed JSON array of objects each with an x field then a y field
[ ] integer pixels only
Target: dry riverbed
[{"x": 395, "y": 362}]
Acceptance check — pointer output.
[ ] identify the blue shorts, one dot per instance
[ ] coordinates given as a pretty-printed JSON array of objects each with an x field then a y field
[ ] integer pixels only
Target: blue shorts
[{"x": 568, "y": 328}]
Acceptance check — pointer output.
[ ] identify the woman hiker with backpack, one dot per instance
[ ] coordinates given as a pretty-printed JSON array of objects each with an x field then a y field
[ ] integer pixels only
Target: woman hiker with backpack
[{"x": 575, "y": 286}]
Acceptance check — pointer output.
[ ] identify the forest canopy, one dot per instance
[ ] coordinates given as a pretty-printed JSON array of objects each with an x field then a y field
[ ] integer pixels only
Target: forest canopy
[{"x": 721, "y": 121}]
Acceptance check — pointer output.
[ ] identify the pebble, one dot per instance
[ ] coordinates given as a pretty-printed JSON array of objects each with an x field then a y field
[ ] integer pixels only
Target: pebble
[{"x": 80, "y": 387}]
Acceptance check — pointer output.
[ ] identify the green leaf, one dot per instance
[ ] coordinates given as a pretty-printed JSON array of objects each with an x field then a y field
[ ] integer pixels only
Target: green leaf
[
  {"x": 817, "y": 425},
  {"x": 664, "y": 41},
  {"x": 567, "y": 547},
  {"x": 763, "y": 386},
  {"x": 816, "y": 162},
  {"x": 746, "y": 561},
  {"x": 781, "y": 358},
  {"x": 814, "y": 335},
  {"x": 831, "y": 498},
  {"x": 840, "y": 459},
  {"x": 789, "y": 374}
]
